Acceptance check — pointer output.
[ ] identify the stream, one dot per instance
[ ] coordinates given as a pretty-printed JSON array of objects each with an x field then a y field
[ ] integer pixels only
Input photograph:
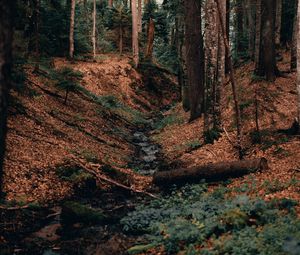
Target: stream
[{"x": 101, "y": 239}]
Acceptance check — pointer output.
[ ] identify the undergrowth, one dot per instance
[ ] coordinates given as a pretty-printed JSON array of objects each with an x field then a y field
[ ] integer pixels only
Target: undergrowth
[{"x": 194, "y": 221}]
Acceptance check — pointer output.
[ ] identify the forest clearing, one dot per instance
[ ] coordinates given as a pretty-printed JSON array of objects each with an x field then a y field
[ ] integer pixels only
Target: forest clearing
[{"x": 149, "y": 127}]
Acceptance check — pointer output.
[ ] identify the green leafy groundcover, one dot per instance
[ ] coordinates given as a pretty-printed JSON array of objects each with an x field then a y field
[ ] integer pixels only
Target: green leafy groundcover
[{"x": 187, "y": 218}]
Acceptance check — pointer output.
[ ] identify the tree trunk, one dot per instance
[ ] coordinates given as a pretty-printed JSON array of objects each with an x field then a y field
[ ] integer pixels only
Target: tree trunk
[
  {"x": 239, "y": 29},
  {"x": 214, "y": 66},
  {"x": 94, "y": 29},
  {"x": 135, "y": 37},
  {"x": 150, "y": 40},
  {"x": 140, "y": 14},
  {"x": 268, "y": 39},
  {"x": 258, "y": 54},
  {"x": 278, "y": 23},
  {"x": 251, "y": 28},
  {"x": 6, "y": 21},
  {"x": 294, "y": 40},
  {"x": 110, "y": 3},
  {"x": 233, "y": 82},
  {"x": 194, "y": 56},
  {"x": 72, "y": 23},
  {"x": 211, "y": 172}
]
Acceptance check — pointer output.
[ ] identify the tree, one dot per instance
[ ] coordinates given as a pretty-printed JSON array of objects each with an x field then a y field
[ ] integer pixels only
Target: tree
[
  {"x": 232, "y": 80},
  {"x": 278, "y": 22},
  {"x": 194, "y": 56},
  {"x": 135, "y": 32},
  {"x": 294, "y": 40},
  {"x": 6, "y": 14},
  {"x": 71, "y": 35},
  {"x": 214, "y": 69},
  {"x": 265, "y": 49},
  {"x": 94, "y": 29}
]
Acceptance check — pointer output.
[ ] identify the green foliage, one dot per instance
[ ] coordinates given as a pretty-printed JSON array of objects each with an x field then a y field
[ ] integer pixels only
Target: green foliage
[
  {"x": 73, "y": 174},
  {"x": 211, "y": 135},
  {"x": 67, "y": 80},
  {"x": 167, "y": 121},
  {"x": 190, "y": 216},
  {"x": 73, "y": 212}
]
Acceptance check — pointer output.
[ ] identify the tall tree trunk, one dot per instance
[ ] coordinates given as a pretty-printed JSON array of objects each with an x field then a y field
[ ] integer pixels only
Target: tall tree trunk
[
  {"x": 233, "y": 82},
  {"x": 251, "y": 28},
  {"x": 194, "y": 56},
  {"x": 239, "y": 28},
  {"x": 214, "y": 67},
  {"x": 150, "y": 40},
  {"x": 72, "y": 23},
  {"x": 294, "y": 40},
  {"x": 268, "y": 39},
  {"x": 258, "y": 23},
  {"x": 6, "y": 33},
  {"x": 278, "y": 22},
  {"x": 140, "y": 15},
  {"x": 94, "y": 29},
  {"x": 135, "y": 37}
]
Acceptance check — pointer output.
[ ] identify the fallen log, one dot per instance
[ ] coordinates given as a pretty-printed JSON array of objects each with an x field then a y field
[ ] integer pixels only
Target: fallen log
[{"x": 211, "y": 172}]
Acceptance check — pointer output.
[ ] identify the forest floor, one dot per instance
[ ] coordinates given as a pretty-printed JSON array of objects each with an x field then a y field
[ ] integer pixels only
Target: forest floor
[{"x": 53, "y": 147}]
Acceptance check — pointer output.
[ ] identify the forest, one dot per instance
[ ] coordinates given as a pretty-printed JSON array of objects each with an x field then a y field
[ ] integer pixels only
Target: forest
[{"x": 156, "y": 127}]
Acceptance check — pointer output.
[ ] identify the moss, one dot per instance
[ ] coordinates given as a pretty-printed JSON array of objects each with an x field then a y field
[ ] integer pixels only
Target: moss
[{"x": 73, "y": 212}]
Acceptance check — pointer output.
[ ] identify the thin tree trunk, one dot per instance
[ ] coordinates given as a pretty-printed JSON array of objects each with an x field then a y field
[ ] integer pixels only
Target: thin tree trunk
[
  {"x": 268, "y": 39},
  {"x": 258, "y": 37},
  {"x": 6, "y": 34},
  {"x": 94, "y": 29},
  {"x": 233, "y": 83},
  {"x": 140, "y": 15},
  {"x": 72, "y": 23},
  {"x": 120, "y": 40},
  {"x": 278, "y": 22},
  {"x": 135, "y": 37},
  {"x": 294, "y": 40},
  {"x": 194, "y": 56}
]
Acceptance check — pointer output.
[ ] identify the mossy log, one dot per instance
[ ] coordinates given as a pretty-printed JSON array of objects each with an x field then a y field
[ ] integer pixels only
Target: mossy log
[{"x": 211, "y": 172}]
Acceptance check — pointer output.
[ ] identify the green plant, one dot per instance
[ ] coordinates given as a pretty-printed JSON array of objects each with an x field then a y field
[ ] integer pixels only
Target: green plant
[
  {"x": 67, "y": 80},
  {"x": 190, "y": 216},
  {"x": 167, "y": 121}
]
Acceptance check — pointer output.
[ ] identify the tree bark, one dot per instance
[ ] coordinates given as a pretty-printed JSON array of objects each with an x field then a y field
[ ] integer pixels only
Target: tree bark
[
  {"x": 150, "y": 40},
  {"x": 72, "y": 23},
  {"x": 233, "y": 82},
  {"x": 294, "y": 40},
  {"x": 194, "y": 56},
  {"x": 140, "y": 14},
  {"x": 268, "y": 39},
  {"x": 6, "y": 34},
  {"x": 258, "y": 22},
  {"x": 94, "y": 29},
  {"x": 211, "y": 172},
  {"x": 278, "y": 23},
  {"x": 135, "y": 37}
]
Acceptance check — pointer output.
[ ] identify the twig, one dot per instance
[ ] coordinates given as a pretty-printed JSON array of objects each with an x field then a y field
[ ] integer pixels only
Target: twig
[
  {"x": 106, "y": 179},
  {"x": 15, "y": 208},
  {"x": 214, "y": 154},
  {"x": 228, "y": 137}
]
